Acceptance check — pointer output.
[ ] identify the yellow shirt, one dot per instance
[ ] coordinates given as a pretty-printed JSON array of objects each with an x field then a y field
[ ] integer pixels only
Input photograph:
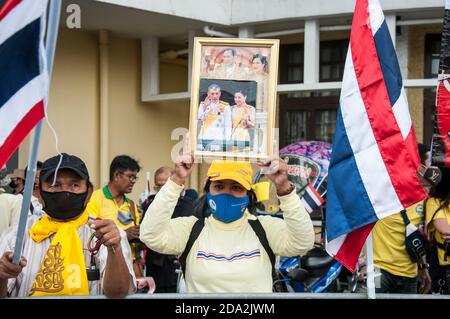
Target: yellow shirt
[
  {"x": 226, "y": 257},
  {"x": 104, "y": 206},
  {"x": 432, "y": 205},
  {"x": 389, "y": 249}
]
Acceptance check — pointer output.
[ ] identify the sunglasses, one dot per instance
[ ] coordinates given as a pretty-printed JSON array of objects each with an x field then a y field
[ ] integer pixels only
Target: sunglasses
[{"x": 131, "y": 178}]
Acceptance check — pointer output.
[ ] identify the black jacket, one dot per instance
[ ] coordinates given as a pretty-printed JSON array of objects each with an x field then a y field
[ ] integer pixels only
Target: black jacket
[{"x": 159, "y": 266}]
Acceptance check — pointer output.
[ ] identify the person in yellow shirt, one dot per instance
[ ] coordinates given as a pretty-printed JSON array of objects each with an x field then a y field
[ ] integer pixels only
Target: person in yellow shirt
[
  {"x": 438, "y": 224},
  {"x": 111, "y": 202},
  {"x": 227, "y": 254},
  {"x": 399, "y": 274}
]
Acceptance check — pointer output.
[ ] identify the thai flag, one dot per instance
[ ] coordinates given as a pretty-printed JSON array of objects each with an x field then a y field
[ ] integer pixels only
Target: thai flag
[
  {"x": 23, "y": 73},
  {"x": 373, "y": 169},
  {"x": 311, "y": 199}
]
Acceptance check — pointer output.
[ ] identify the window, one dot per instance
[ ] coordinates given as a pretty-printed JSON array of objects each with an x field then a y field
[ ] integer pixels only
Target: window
[
  {"x": 307, "y": 118},
  {"x": 432, "y": 53},
  {"x": 431, "y": 70},
  {"x": 296, "y": 128},
  {"x": 291, "y": 63},
  {"x": 311, "y": 115},
  {"x": 325, "y": 125},
  {"x": 332, "y": 60}
]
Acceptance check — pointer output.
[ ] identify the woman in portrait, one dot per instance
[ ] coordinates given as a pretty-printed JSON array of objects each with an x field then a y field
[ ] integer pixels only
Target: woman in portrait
[
  {"x": 243, "y": 118},
  {"x": 259, "y": 73}
]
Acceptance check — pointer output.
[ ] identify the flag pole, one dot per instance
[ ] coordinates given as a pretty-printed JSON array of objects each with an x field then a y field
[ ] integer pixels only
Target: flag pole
[
  {"x": 370, "y": 268},
  {"x": 147, "y": 185},
  {"x": 50, "y": 46}
]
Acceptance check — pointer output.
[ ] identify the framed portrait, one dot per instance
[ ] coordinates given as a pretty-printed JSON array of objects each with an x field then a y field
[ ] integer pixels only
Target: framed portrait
[{"x": 233, "y": 97}]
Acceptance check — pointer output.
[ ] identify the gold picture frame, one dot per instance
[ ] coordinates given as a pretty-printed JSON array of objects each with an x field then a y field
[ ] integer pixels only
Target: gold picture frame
[{"x": 233, "y": 98}]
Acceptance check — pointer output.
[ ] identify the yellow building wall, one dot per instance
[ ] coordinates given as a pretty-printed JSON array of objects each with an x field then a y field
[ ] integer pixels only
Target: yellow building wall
[
  {"x": 73, "y": 102},
  {"x": 141, "y": 130}
]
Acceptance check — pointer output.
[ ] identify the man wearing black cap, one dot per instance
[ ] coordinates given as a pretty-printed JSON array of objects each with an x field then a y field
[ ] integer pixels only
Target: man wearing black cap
[{"x": 63, "y": 253}]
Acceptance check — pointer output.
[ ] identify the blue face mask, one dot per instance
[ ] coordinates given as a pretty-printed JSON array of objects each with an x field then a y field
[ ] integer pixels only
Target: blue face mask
[
  {"x": 124, "y": 218},
  {"x": 227, "y": 208}
]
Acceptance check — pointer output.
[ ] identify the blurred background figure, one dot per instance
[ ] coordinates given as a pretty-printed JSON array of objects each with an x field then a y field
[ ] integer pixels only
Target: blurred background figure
[
  {"x": 36, "y": 200},
  {"x": 424, "y": 153},
  {"x": 4, "y": 180},
  {"x": 17, "y": 181},
  {"x": 163, "y": 268},
  {"x": 9, "y": 204}
]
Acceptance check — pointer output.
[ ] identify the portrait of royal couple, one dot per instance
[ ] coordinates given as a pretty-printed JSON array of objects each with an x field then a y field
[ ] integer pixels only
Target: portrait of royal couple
[
  {"x": 233, "y": 88},
  {"x": 223, "y": 126},
  {"x": 251, "y": 66}
]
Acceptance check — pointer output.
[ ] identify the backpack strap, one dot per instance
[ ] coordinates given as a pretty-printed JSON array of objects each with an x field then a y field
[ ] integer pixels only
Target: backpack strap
[
  {"x": 438, "y": 245},
  {"x": 195, "y": 232},
  {"x": 261, "y": 234},
  {"x": 442, "y": 247},
  {"x": 133, "y": 211},
  {"x": 405, "y": 217}
]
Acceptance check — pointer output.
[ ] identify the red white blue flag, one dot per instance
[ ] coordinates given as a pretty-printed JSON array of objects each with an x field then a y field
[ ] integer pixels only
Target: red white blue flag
[
  {"x": 311, "y": 199},
  {"x": 373, "y": 169},
  {"x": 23, "y": 72}
]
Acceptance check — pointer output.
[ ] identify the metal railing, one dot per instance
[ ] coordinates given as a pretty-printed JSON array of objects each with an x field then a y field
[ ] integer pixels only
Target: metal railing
[{"x": 266, "y": 296}]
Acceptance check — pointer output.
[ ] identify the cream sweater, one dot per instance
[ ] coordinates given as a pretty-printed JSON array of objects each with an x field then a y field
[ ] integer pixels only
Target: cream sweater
[{"x": 226, "y": 257}]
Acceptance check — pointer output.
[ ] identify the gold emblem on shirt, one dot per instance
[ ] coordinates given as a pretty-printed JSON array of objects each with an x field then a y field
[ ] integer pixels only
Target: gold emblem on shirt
[{"x": 49, "y": 279}]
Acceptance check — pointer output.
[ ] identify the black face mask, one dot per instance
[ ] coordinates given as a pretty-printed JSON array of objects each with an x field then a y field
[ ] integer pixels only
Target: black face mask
[
  {"x": 63, "y": 205},
  {"x": 12, "y": 184}
]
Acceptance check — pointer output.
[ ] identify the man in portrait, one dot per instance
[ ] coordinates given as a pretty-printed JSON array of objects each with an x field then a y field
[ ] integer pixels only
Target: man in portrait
[
  {"x": 215, "y": 117},
  {"x": 229, "y": 69}
]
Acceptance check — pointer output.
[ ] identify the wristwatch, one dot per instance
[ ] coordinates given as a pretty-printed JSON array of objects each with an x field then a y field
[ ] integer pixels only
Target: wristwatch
[{"x": 424, "y": 266}]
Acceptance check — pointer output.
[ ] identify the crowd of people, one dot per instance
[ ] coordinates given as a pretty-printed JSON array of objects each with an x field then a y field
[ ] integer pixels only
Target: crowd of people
[{"x": 81, "y": 241}]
